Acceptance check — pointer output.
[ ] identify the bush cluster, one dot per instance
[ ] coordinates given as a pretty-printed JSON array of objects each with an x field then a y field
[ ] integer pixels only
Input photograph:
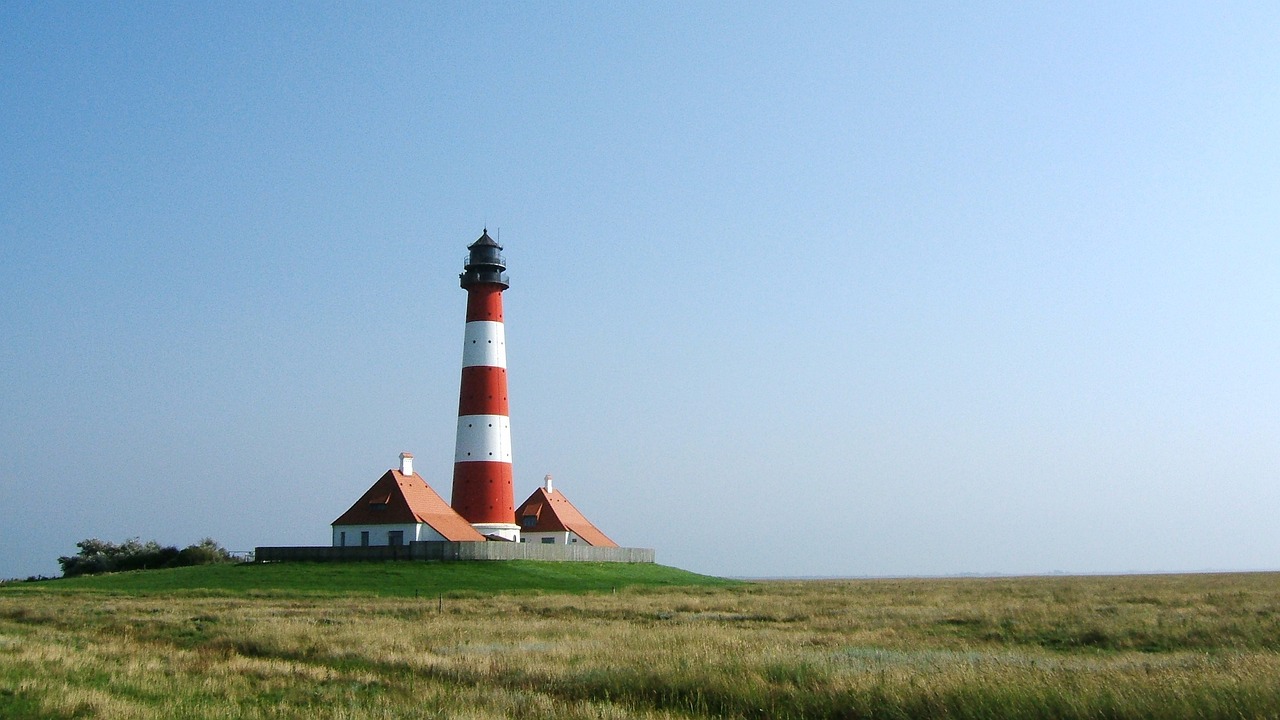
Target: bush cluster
[{"x": 99, "y": 556}]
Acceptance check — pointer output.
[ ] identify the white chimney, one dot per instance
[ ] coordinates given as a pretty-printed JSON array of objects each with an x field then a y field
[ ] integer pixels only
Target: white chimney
[
  {"x": 406, "y": 463},
  {"x": 546, "y": 483}
]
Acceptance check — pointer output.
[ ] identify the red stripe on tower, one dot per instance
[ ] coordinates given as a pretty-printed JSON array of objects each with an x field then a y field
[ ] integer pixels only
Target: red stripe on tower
[{"x": 482, "y": 491}]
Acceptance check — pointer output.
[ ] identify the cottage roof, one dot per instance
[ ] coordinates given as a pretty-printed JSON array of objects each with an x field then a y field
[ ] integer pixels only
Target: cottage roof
[
  {"x": 397, "y": 499},
  {"x": 552, "y": 512}
]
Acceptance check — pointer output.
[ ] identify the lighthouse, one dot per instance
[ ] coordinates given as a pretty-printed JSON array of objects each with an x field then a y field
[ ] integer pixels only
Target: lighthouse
[
  {"x": 405, "y": 517},
  {"x": 482, "y": 489}
]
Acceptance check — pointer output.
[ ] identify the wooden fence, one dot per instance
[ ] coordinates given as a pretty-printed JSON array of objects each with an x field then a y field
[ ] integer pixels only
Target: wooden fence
[{"x": 451, "y": 551}]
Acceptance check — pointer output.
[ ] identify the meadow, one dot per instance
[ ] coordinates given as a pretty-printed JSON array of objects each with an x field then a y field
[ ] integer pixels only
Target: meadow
[{"x": 383, "y": 641}]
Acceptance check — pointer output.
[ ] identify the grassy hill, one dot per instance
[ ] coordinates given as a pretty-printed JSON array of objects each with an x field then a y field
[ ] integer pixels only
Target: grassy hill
[{"x": 391, "y": 579}]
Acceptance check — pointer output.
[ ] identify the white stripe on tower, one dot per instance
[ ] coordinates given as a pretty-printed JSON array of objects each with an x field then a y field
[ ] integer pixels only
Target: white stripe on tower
[
  {"x": 483, "y": 437},
  {"x": 484, "y": 344}
]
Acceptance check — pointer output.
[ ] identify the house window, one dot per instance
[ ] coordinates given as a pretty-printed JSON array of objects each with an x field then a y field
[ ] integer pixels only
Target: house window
[
  {"x": 342, "y": 539},
  {"x": 574, "y": 540},
  {"x": 549, "y": 541},
  {"x": 364, "y": 538},
  {"x": 395, "y": 537},
  {"x": 529, "y": 521}
]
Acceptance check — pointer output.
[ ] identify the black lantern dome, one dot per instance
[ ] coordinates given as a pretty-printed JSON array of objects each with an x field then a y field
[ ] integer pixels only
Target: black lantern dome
[{"x": 485, "y": 264}]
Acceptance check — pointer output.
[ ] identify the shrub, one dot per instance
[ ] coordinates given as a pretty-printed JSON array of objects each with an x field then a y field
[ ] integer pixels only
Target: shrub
[
  {"x": 99, "y": 556},
  {"x": 205, "y": 552}
]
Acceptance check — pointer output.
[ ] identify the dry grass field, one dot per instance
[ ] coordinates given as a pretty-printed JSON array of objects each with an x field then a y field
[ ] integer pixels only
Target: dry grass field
[{"x": 1203, "y": 646}]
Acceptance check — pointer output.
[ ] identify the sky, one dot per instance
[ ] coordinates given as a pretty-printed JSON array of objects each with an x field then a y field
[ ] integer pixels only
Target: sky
[{"x": 814, "y": 289}]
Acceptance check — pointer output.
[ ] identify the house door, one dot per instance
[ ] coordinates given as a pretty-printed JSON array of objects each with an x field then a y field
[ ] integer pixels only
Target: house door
[{"x": 395, "y": 537}]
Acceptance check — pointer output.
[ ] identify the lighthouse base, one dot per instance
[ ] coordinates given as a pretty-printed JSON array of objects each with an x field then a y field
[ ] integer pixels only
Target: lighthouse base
[{"x": 506, "y": 531}]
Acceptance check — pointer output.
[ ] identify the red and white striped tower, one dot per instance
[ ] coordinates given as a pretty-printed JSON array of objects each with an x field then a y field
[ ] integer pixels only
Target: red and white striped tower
[{"x": 482, "y": 491}]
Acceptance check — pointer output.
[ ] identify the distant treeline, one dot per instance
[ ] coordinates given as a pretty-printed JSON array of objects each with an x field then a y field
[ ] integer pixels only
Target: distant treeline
[{"x": 100, "y": 556}]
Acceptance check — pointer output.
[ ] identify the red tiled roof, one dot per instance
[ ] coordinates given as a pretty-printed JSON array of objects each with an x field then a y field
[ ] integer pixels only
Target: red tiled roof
[
  {"x": 556, "y": 514},
  {"x": 397, "y": 499}
]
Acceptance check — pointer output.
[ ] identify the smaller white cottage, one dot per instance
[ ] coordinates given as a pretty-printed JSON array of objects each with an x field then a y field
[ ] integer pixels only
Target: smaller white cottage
[
  {"x": 398, "y": 509},
  {"x": 548, "y": 517}
]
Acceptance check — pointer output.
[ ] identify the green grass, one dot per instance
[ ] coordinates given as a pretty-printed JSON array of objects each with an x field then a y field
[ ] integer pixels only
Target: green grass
[
  {"x": 501, "y": 644},
  {"x": 386, "y": 579}
]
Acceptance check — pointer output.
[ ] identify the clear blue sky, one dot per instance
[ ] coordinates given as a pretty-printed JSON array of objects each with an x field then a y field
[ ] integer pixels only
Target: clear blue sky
[{"x": 815, "y": 289}]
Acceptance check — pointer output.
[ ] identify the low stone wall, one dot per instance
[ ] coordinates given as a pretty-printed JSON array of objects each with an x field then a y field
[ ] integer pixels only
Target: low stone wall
[{"x": 449, "y": 551}]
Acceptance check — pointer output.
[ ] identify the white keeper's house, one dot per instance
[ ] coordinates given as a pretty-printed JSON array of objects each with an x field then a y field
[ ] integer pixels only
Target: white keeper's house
[
  {"x": 548, "y": 517},
  {"x": 398, "y": 509}
]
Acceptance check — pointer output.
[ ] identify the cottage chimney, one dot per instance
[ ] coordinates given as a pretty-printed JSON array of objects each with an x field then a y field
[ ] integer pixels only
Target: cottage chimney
[
  {"x": 406, "y": 463},
  {"x": 546, "y": 483}
]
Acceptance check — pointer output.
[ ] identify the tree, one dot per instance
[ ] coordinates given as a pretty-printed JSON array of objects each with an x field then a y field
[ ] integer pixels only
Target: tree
[
  {"x": 205, "y": 552},
  {"x": 99, "y": 556}
]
